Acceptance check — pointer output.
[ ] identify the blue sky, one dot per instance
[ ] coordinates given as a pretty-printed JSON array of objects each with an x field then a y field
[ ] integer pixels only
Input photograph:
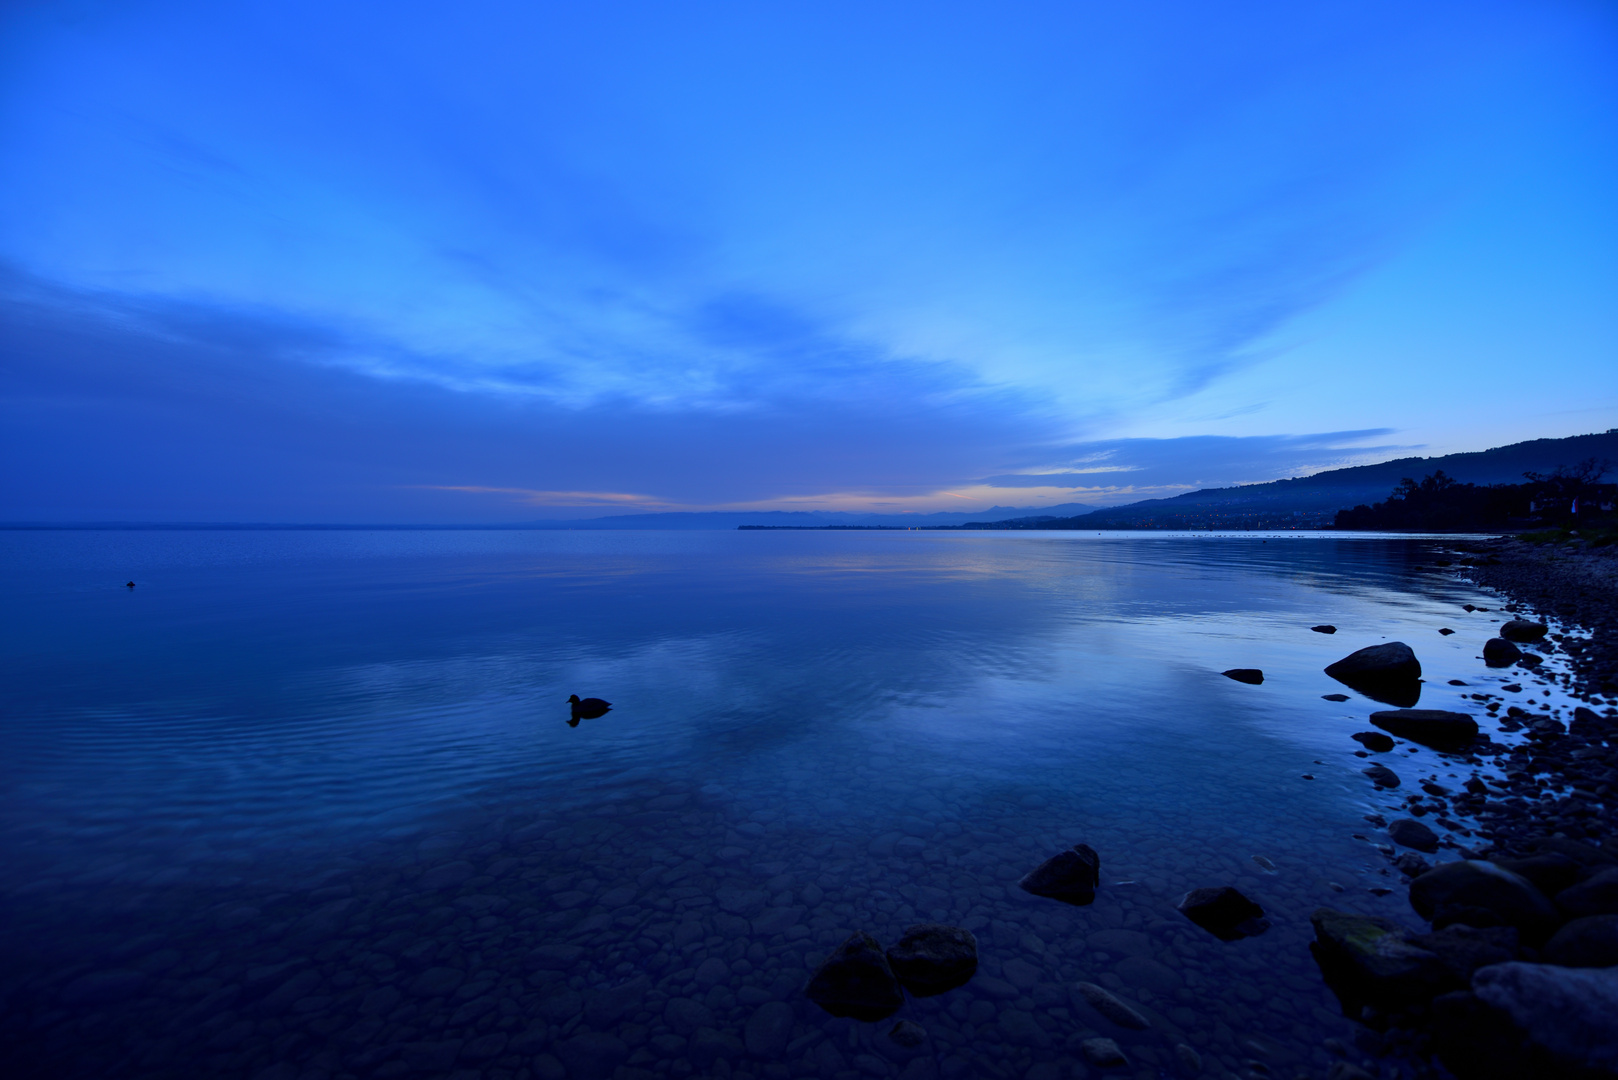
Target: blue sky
[{"x": 493, "y": 261}]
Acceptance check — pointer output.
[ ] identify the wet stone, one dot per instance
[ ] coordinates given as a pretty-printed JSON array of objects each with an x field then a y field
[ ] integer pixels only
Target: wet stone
[
  {"x": 1437, "y": 728},
  {"x": 1588, "y": 942},
  {"x": 932, "y": 958},
  {"x": 907, "y": 1034},
  {"x": 1596, "y": 896},
  {"x": 1382, "y": 776},
  {"x": 1413, "y": 834},
  {"x": 1481, "y": 894},
  {"x": 1374, "y": 741},
  {"x": 1104, "y": 1002},
  {"x": 1498, "y": 652},
  {"x": 1103, "y": 1053},
  {"x": 1224, "y": 912},
  {"x": 856, "y": 981},
  {"x": 1071, "y": 876}
]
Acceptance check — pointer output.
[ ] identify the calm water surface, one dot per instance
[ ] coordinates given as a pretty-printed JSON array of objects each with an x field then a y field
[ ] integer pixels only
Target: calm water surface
[{"x": 306, "y": 804}]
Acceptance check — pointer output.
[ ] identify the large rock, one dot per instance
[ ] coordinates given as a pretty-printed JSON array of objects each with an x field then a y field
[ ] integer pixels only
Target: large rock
[
  {"x": 1567, "y": 1012},
  {"x": 1407, "y": 832},
  {"x": 1463, "y": 949},
  {"x": 856, "y": 981},
  {"x": 1223, "y": 912},
  {"x": 1388, "y": 672},
  {"x": 1479, "y": 893},
  {"x": 932, "y": 958},
  {"x": 1369, "y": 961},
  {"x": 1070, "y": 876},
  {"x": 1436, "y": 728},
  {"x": 1549, "y": 871},
  {"x": 1498, "y": 652},
  {"x": 1523, "y": 630},
  {"x": 1587, "y": 942},
  {"x": 1596, "y": 896}
]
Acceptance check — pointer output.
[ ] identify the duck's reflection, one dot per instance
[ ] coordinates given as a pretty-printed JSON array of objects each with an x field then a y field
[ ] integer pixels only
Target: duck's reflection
[{"x": 586, "y": 709}]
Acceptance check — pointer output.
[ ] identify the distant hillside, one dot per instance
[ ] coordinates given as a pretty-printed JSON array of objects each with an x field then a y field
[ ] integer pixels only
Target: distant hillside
[
  {"x": 804, "y": 519},
  {"x": 1313, "y": 501}
]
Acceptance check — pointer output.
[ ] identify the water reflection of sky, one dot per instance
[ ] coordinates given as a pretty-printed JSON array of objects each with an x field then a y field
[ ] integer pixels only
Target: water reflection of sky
[{"x": 318, "y": 691}]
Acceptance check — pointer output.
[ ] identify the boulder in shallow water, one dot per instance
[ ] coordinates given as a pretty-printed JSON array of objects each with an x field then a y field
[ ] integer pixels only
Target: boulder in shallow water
[
  {"x": 1388, "y": 673},
  {"x": 1252, "y": 676},
  {"x": 1437, "y": 728},
  {"x": 1373, "y": 740},
  {"x": 856, "y": 981},
  {"x": 1223, "y": 912},
  {"x": 1568, "y": 1012},
  {"x": 1324, "y": 628},
  {"x": 1498, "y": 652},
  {"x": 1392, "y": 661},
  {"x": 1480, "y": 893},
  {"x": 1070, "y": 876},
  {"x": 1523, "y": 630},
  {"x": 1407, "y": 832},
  {"x": 1368, "y": 961},
  {"x": 932, "y": 958}
]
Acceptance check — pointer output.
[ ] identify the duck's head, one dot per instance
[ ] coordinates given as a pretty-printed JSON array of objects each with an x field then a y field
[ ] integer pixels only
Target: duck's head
[{"x": 573, "y": 699}]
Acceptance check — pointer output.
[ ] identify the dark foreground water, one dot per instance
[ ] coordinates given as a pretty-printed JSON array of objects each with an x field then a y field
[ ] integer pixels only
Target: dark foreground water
[{"x": 307, "y": 804}]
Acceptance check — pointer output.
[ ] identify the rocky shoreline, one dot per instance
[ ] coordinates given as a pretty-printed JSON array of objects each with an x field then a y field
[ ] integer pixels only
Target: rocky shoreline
[
  {"x": 1516, "y": 977},
  {"x": 1573, "y": 581}
]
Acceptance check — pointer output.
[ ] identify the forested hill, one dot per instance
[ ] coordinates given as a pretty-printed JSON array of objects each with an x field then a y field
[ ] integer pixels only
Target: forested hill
[{"x": 1313, "y": 501}]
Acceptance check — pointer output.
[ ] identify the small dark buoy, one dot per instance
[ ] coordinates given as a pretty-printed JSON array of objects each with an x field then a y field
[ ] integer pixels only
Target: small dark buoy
[
  {"x": 588, "y": 709},
  {"x": 129, "y": 584}
]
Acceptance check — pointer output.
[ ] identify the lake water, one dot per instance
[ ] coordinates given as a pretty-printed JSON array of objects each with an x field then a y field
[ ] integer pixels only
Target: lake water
[{"x": 307, "y": 804}]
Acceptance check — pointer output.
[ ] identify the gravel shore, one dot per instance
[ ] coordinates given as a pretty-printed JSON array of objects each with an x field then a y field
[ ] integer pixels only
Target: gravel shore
[
  {"x": 1561, "y": 782},
  {"x": 1573, "y": 582}
]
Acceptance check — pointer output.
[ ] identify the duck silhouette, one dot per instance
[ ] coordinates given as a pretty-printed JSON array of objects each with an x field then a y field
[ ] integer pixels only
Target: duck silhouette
[{"x": 587, "y": 709}]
